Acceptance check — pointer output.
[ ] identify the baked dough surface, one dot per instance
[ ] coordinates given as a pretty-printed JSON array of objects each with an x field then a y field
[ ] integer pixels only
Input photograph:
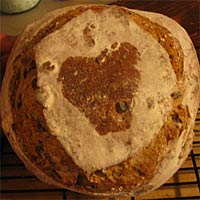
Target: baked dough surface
[{"x": 102, "y": 99}]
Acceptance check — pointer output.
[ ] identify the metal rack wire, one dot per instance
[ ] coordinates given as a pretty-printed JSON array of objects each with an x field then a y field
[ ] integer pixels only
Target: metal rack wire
[{"x": 16, "y": 181}]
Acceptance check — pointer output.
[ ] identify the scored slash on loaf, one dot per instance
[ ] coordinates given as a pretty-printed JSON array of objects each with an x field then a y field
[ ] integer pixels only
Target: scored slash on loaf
[{"x": 102, "y": 99}]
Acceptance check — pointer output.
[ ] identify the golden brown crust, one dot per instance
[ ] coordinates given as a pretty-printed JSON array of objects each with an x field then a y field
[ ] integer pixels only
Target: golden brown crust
[
  {"x": 44, "y": 154},
  {"x": 42, "y": 148}
]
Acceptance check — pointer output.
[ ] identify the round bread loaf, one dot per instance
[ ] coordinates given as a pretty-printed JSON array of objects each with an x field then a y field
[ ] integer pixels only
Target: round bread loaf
[{"x": 102, "y": 99}]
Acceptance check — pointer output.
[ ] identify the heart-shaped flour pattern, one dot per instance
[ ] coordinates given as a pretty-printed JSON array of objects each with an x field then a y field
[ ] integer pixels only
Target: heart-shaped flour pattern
[{"x": 103, "y": 87}]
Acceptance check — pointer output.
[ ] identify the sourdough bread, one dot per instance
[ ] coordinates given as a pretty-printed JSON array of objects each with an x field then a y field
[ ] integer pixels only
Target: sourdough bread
[{"x": 102, "y": 99}]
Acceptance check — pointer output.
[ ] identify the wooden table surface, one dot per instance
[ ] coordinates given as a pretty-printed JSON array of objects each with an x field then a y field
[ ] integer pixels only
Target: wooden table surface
[{"x": 18, "y": 183}]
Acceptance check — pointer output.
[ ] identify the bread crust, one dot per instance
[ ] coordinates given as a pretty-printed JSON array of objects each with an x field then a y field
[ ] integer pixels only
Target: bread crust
[{"x": 106, "y": 182}]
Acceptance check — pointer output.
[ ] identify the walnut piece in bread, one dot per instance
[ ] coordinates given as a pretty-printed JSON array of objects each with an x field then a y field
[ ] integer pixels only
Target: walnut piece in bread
[{"x": 102, "y": 99}]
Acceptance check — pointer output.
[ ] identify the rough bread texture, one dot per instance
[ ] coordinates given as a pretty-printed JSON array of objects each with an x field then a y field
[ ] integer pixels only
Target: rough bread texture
[{"x": 102, "y": 99}]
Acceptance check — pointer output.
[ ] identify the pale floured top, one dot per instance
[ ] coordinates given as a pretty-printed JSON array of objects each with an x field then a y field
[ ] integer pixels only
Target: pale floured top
[
  {"x": 88, "y": 149},
  {"x": 176, "y": 152}
]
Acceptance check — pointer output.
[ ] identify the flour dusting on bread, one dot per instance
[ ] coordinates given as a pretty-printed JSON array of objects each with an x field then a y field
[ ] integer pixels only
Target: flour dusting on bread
[
  {"x": 80, "y": 137},
  {"x": 102, "y": 99}
]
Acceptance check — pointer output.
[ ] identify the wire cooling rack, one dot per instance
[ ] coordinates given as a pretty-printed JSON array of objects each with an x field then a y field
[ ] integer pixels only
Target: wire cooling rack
[{"x": 19, "y": 184}]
